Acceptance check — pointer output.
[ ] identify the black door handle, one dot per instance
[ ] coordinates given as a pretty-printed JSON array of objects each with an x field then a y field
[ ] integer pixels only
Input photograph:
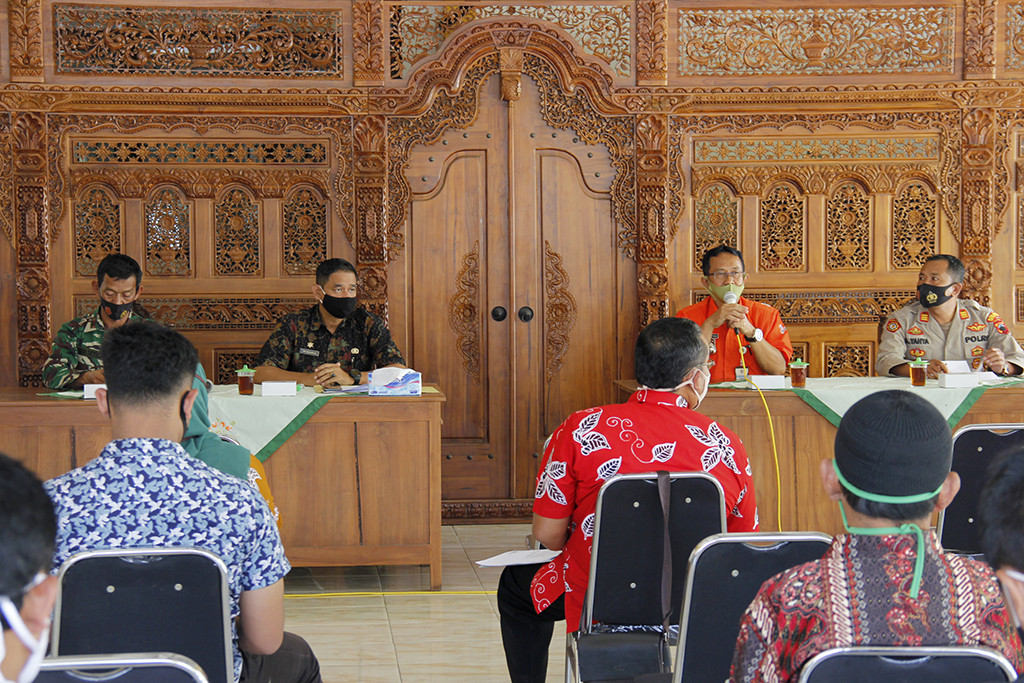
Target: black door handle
[
  {"x": 499, "y": 313},
  {"x": 526, "y": 314}
]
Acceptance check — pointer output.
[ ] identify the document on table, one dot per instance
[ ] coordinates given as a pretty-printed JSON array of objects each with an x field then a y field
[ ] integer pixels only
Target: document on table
[{"x": 514, "y": 557}]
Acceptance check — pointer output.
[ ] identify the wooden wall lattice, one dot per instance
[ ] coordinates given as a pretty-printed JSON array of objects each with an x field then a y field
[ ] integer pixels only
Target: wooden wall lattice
[{"x": 230, "y": 163}]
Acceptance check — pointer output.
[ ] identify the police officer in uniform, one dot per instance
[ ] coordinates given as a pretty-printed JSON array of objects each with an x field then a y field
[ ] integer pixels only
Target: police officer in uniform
[{"x": 939, "y": 327}]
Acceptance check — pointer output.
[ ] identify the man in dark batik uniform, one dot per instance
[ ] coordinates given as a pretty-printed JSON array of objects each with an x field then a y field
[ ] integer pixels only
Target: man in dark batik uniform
[
  {"x": 332, "y": 343},
  {"x": 886, "y": 581}
]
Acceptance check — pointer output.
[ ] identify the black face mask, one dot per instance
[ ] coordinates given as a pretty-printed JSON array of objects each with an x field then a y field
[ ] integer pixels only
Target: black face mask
[
  {"x": 340, "y": 306},
  {"x": 932, "y": 295},
  {"x": 116, "y": 311}
]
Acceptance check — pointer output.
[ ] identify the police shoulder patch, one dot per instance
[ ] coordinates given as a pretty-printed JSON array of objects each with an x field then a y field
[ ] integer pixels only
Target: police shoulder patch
[
  {"x": 916, "y": 353},
  {"x": 964, "y": 315},
  {"x": 893, "y": 325}
]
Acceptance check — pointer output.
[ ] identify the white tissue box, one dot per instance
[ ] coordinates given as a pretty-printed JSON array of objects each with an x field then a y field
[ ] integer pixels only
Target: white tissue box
[
  {"x": 768, "y": 381},
  {"x": 409, "y": 384},
  {"x": 280, "y": 388},
  {"x": 948, "y": 379},
  {"x": 89, "y": 390}
]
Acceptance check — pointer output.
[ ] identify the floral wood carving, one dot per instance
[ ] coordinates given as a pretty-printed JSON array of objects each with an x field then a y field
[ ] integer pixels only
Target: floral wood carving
[
  {"x": 782, "y": 230},
  {"x": 6, "y": 178},
  {"x": 373, "y": 288},
  {"x": 978, "y": 279},
  {"x": 559, "y": 312},
  {"x": 849, "y": 360},
  {"x": 464, "y": 312},
  {"x": 812, "y": 178},
  {"x": 367, "y": 42},
  {"x": 168, "y": 234},
  {"x": 510, "y": 63},
  {"x": 914, "y": 228},
  {"x": 262, "y": 43},
  {"x": 833, "y": 307},
  {"x": 980, "y": 39},
  {"x": 655, "y": 230},
  {"x": 33, "y": 280},
  {"x": 978, "y": 189},
  {"x": 97, "y": 229},
  {"x": 337, "y": 130},
  {"x": 371, "y": 237},
  {"x": 848, "y": 229},
  {"x": 237, "y": 234},
  {"x": 136, "y": 182},
  {"x": 304, "y": 231},
  {"x": 855, "y": 40},
  {"x": 716, "y": 220},
  {"x": 227, "y": 361},
  {"x": 28, "y": 131},
  {"x": 603, "y": 31},
  {"x": 651, "y": 42},
  {"x": 196, "y": 313},
  {"x": 25, "y": 33},
  {"x": 652, "y": 284},
  {"x": 947, "y": 123}
]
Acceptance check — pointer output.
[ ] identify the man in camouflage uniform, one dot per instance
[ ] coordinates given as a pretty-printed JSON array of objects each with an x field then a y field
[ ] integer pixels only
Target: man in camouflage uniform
[
  {"x": 75, "y": 357},
  {"x": 941, "y": 327},
  {"x": 332, "y": 343}
]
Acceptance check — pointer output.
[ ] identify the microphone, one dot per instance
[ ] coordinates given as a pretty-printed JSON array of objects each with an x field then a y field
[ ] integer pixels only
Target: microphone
[{"x": 730, "y": 298}]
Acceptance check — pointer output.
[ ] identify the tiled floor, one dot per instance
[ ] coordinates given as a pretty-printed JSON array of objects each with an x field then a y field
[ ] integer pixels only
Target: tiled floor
[{"x": 383, "y": 624}]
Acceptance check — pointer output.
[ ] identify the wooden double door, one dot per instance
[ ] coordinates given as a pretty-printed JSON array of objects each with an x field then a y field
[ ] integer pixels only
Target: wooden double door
[{"x": 525, "y": 307}]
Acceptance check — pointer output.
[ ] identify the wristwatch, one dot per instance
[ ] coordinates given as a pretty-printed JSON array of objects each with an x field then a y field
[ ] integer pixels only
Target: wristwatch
[
  {"x": 758, "y": 336},
  {"x": 355, "y": 375}
]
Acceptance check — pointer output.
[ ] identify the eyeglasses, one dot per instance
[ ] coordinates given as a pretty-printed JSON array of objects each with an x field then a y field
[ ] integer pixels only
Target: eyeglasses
[{"x": 720, "y": 277}]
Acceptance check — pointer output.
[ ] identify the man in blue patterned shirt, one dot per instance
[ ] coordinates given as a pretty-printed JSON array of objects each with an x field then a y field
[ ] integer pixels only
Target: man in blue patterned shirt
[{"x": 144, "y": 490}]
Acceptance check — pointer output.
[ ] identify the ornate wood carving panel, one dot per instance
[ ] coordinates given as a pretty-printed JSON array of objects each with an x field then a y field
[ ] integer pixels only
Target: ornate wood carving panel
[
  {"x": 237, "y": 234},
  {"x": 464, "y": 312},
  {"x": 97, "y": 228},
  {"x": 848, "y": 229},
  {"x": 25, "y": 34},
  {"x": 914, "y": 227},
  {"x": 168, "y": 220},
  {"x": 603, "y": 30},
  {"x": 816, "y": 41},
  {"x": 262, "y": 43},
  {"x": 559, "y": 312},
  {"x": 210, "y": 313},
  {"x": 227, "y": 361},
  {"x": 716, "y": 220},
  {"x": 782, "y": 230},
  {"x": 849, "y": 360}
]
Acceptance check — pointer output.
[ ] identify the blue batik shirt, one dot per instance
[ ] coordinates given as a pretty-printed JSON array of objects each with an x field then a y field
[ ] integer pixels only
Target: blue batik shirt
[{"x": 150, "y": 492}]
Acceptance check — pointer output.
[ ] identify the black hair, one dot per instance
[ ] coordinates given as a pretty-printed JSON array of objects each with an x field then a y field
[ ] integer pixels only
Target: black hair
[
  {"x": 666, "y": 351},
  {"x": 331, "y": 266},
  {"x": 954, "y": 266},
  {"x": 898, "y": 512},
  {"x": 705, "y": 262},
  {"x": 144, "y": 362},
  {"x": 27, "y": 528},
  {"x": 118, "y": 267},
  {"x": 1001, "y": 509}
]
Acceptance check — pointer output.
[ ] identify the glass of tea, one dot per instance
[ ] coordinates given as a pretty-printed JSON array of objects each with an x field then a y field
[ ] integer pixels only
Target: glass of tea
[
  {"x": 917, "y": 372},
  {"x": 798, "y": 373},
  {"x": 245, "y": 381}
]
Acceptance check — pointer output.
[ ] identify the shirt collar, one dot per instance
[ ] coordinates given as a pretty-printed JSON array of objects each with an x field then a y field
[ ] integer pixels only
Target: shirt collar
[
  {"x": 658, "y": 398},
  {"x": 139, "y": 446}
]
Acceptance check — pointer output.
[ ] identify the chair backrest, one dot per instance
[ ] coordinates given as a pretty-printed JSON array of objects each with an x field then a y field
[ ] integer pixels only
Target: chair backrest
[
  {"x": 628, "y": 546},
  {"x": 907, "y": 665},
  {"x": 143, "y": 667},
  {"x": 725, "y": 573},
  {"x": 974, "y": 447},
  {"x": 146, "y": 600}
]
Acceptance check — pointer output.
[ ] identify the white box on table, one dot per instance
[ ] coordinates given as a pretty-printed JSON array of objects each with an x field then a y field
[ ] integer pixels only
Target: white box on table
[
  {"x": 280, "y": 388},
  {"x": 950, "y": 379},
  {"x": 89, "y": 390},
  {"x": 768, "y": 381}
]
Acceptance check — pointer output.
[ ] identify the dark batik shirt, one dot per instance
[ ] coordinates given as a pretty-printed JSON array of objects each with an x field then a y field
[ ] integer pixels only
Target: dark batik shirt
[
  {"x": 301, "y": 342},
  {"x": 859, "y": 594}
]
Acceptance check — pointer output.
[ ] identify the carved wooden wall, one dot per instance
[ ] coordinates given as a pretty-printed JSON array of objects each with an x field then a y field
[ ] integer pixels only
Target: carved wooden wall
[{"x": 230, "y": 148}]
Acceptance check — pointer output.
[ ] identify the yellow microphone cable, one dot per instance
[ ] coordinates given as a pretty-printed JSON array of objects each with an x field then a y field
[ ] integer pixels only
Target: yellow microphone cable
[{"x": 771, "y": 430}]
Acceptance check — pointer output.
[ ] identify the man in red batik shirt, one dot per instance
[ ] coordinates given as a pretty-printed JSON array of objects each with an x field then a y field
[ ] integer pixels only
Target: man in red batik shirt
[{"x": 657, "y": 429}]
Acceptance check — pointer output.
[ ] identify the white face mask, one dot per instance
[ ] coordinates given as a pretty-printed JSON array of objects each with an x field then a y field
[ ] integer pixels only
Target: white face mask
[
  {"x": 36, "y": 647},
  {"x": 701, "y": 393}
]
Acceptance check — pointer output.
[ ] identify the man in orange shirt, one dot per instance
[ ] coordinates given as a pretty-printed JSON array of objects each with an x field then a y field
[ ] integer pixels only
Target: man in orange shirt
[{"x": 759, "y": 325}]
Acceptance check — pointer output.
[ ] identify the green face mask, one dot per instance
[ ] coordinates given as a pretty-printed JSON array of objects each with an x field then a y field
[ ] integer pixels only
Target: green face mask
[
  {"x": 915, "y": 585},
  {"x": 719, "y": 291}
]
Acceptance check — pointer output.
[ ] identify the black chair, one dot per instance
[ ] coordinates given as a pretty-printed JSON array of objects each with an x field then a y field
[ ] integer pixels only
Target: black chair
[
  {"x": 725, "y": 573},
  {"x": 955, "y": 664},
  {"x": 621, "y": 634},
  {"x": 974, "y": 447},
  {"x": 146, "y": 600},
  {"x": 155, "y": 667}
]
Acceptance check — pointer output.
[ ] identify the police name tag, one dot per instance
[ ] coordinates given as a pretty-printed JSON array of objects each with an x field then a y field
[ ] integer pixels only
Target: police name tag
[
  {"x": 741, "y": 374},
  {"x": 309, "y": 352}
]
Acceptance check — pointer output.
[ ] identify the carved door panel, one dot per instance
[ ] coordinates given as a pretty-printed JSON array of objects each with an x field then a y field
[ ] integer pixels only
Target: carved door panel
[{"x": 521, "y": 295}]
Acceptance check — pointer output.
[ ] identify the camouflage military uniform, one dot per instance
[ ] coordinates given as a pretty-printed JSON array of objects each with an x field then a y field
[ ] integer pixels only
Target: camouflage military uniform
[
  {"x": 301, "y": 342},
  {"x": 76, "y": 349}
]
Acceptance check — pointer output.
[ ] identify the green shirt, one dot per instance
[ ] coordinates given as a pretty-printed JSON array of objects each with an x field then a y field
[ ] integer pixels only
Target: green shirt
[{"x": 76, "y": 349}]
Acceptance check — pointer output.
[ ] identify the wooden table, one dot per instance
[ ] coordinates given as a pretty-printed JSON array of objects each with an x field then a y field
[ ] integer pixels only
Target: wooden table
[
  {"x": 803, "y": 438},
  {"x": 358, "y": 484}
]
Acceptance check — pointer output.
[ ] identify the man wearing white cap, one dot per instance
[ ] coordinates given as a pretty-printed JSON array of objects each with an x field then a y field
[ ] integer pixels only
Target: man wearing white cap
[{"x": 887, "y": 580}]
